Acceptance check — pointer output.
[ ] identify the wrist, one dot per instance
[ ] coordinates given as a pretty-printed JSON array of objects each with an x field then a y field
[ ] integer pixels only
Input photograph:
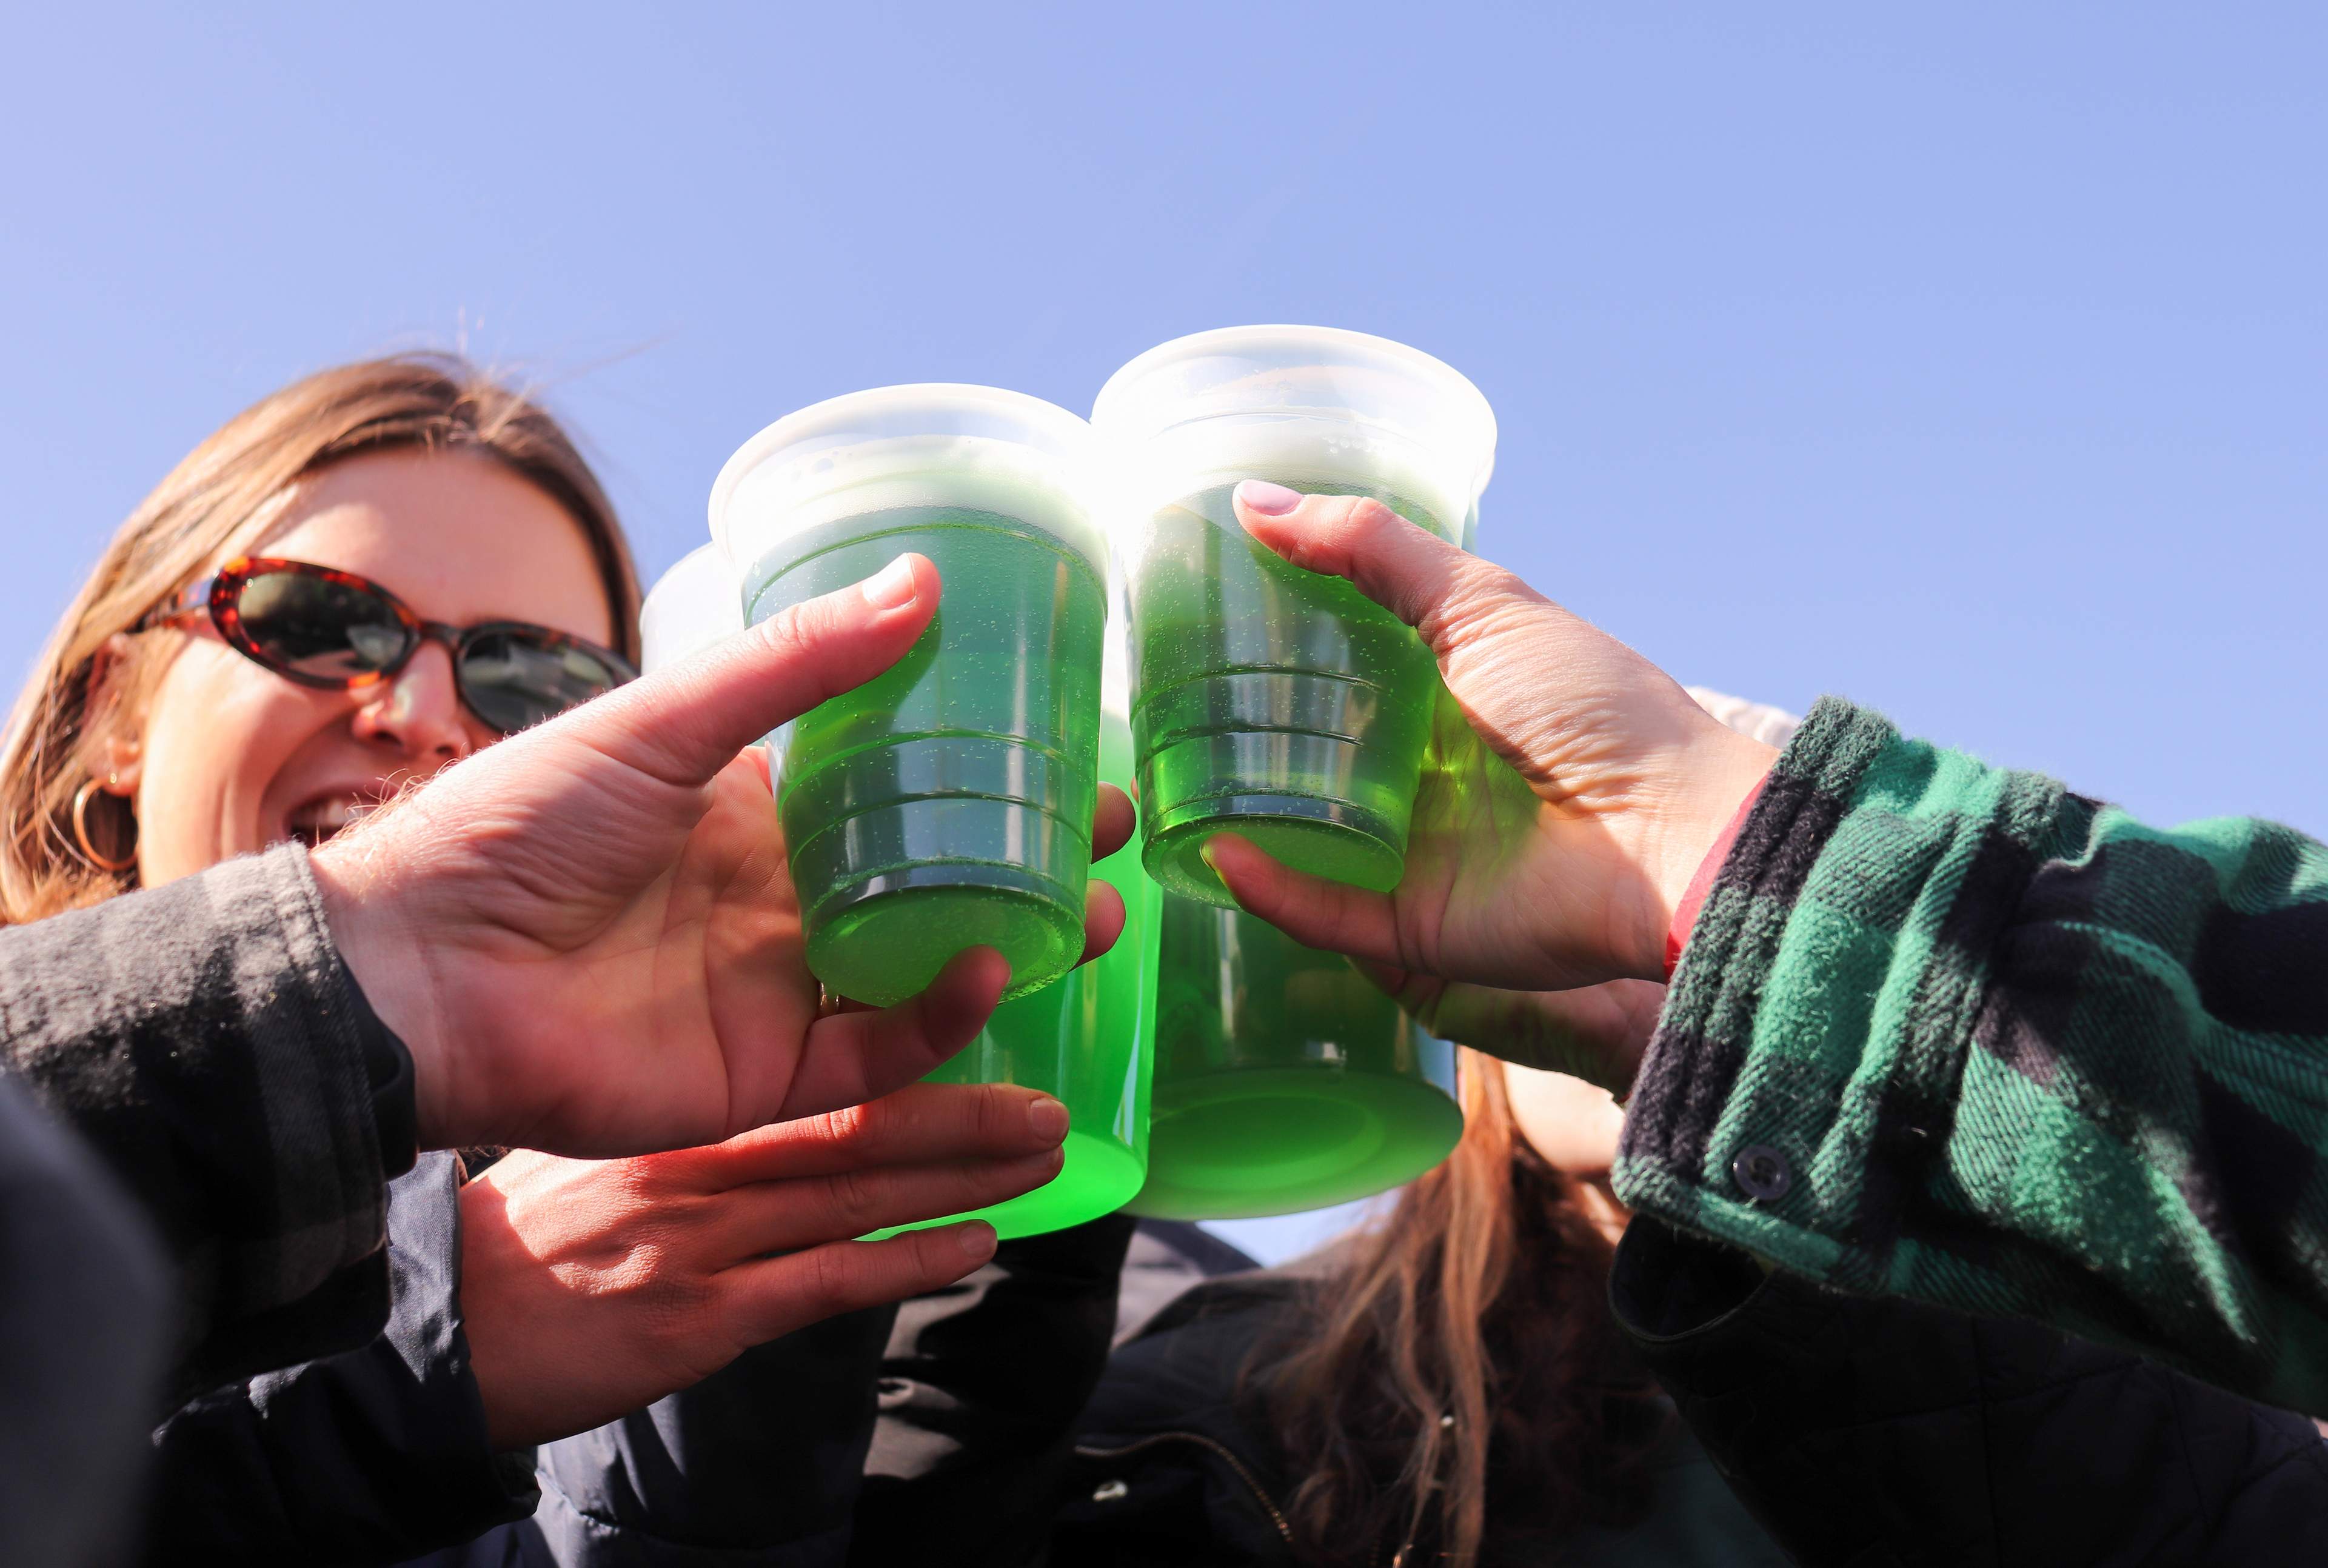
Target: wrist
[
  {"x": 1725, "y": 773},
  {"x": 1684, "y": 919},
  {"x": 390, "y": 970}
]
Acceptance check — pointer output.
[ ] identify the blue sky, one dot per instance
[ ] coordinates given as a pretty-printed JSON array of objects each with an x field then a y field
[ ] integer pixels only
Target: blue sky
[{"x": 1967, "y": 360}]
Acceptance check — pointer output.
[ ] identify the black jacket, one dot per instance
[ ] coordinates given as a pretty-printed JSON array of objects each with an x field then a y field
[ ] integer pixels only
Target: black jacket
[
  {"x": 1847, "y": 1431},
  {"x": 1885, "y": 1434},
  {"x": 1168, "y": 1470},
  {"x": 84, "y": 1325},
  {"x": 1858, "y": 1433},
  {"x": 362, "y": 1458}
]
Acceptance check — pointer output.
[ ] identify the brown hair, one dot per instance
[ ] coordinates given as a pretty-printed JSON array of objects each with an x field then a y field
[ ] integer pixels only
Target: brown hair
[
  {"x": 1459, "y": 1363},
  {"x": 247, "y": 469}
]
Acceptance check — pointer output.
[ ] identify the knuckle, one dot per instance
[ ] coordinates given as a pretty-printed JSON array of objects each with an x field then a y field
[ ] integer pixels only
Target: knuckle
[
  {"x": 853, "y": 1126},
  {"x": 998, "y": 1109},
  {"x": 855, "y": 1197},
  {"x": 672, "y": 1299},
  {"x": 1485, "y": 601},
  {"x": 833, "y": 1276},
  {"x": 1363, "y": 515},
  {"x": 651, "y": 1180},
  {"x": 783, "y": 632}
]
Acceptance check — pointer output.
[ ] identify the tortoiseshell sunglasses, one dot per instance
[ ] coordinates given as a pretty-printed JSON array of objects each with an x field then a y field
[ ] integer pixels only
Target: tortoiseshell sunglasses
[{"x": 338, "y": 631}]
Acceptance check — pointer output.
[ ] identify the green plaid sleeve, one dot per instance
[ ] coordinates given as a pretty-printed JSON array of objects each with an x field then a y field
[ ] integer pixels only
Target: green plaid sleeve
[{"x": 1948, "y": 1031}]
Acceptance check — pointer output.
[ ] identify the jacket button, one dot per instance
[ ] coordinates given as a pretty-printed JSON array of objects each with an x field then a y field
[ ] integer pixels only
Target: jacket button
[
  {"x": 1109, "y": 1492},
  {"x": 1762, "y": 1172}
]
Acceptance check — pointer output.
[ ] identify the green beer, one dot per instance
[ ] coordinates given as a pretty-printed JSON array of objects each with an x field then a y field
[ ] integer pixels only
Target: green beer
[
  {"x": 1274, "y": 702},
  {"x": 1085, "y": 1041},
  {"x": 1268, "y": 700},
  {"x": 1284, "y": 1081},
  {"x": 947, "y": 803}
]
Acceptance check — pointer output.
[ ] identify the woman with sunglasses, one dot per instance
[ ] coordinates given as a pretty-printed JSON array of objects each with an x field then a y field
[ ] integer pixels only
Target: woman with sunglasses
[{"x": 358, "y": 582}]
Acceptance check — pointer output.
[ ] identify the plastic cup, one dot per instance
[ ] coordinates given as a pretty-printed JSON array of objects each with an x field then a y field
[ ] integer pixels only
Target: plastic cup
[
  {"x": 947, "y": 803},
  {"x": 691, "y": 606},
  {"x": 1272, "y": 702},
  {"x": 1284, "y": 1081},
  {"x": 1086, "y": 1040}
]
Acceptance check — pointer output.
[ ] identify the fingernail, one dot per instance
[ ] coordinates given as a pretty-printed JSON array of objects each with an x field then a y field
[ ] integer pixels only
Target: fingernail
[
  {"x": 891, "y": 587},
  {"x": 977, "y": 1238},
  {"x": 1047, "y": 1119},
  {"x": 1269, "y": 500}
]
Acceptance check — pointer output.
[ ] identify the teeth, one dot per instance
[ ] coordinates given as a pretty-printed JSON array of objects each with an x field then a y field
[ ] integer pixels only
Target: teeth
[{"x": 319, "y": 819}]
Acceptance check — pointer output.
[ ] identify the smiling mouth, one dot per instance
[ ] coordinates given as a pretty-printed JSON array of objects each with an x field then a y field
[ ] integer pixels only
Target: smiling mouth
[{"x": 319, "y": 820}]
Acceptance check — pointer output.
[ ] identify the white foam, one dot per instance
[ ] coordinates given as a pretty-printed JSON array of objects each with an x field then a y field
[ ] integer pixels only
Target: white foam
[
  {"x": 785, "y": 495},
  {"x": 1314, "y": 406},
  {"x": 1303, "y": 454}
]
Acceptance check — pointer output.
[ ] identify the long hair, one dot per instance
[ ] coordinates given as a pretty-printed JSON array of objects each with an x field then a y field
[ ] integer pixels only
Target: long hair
[
  {"x": 247, "y": 471},
  {"x": 1460, "y": 1363}
]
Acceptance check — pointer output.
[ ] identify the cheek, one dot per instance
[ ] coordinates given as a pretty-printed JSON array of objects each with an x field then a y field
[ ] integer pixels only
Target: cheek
[
  {"x": 218, "y": 731},
  {"x": 1572, "y": 1124}
]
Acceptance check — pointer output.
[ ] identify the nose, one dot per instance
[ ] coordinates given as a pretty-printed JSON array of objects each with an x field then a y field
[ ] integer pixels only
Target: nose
[{"x": 419, "y": 711}]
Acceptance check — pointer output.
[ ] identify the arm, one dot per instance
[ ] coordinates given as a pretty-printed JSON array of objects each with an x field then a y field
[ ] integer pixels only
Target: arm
[
  {"x": 206, "y": 1041},
  {"x": 1948, "y": 1031},
  {"x": 375, "y": 1455},
  {"x": 1956, "y": 1439},
  {"x": 1941, "y": 1029}
]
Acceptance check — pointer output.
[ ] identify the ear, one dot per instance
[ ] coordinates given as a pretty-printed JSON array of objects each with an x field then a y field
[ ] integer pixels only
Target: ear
[{"x": 112, "y": 729}]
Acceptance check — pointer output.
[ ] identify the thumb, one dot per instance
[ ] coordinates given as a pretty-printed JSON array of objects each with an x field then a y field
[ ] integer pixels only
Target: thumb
[
  {"x": 1530, "y": 678},
  {"x": 1444, "y": 592},
  {"x": 685, "y": 723}
]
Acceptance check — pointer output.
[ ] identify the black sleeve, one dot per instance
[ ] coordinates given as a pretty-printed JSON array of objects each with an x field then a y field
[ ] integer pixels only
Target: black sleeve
[
  {"x": 206, "y": 1040},
  {"x": 372, "y": 1456},
  {"x": 84, "y": 1335},
  {"x": 1878, "y": 1432},
  {"x": 979, "y": 1391},
  {"x": 757, "y": 1465}
]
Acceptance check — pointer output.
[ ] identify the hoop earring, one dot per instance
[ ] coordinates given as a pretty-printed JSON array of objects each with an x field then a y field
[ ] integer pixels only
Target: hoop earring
[{"x": 80, "y": 833}]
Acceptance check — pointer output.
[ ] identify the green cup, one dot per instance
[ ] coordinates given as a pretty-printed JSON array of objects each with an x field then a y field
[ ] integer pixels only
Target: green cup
[
  {"x": 1271, "y": 701},
  {"x": 946, "y": 804},
  {"x": 1284, "y": 1081},
  {"x": 690, "y": 606},
  {"x": 1086, "y": 1040}
]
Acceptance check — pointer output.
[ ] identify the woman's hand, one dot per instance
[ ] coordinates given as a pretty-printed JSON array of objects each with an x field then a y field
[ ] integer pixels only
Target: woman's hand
[
  {"x": 1551, "y": 850},
  {"x": 587, "y": 934},
  {"x": 1596, "y": 1032},
  {"x": 593, "y": 1287}
]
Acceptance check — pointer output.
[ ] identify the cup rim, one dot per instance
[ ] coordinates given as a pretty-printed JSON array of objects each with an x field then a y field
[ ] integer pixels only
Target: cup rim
[
  {"x": 1228, "y": 338},
  {"x": 1070, "y": 434},
  {"x": 681, "y": 587}
]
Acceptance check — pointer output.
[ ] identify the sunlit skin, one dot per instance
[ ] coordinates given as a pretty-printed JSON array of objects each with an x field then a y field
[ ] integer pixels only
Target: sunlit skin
[
  {"x": 1574, "y": 1126},
  {"x": 227, "y": 757}
]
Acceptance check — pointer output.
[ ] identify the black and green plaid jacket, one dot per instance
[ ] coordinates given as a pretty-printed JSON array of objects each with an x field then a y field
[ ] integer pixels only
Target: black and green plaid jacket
[{"x": 1948, "y": 1031}]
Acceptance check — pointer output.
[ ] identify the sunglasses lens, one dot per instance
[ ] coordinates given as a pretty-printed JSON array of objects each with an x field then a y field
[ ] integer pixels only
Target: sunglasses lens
[
  {"x": 515, "y": 679},
  {"x": 312, "y": 626}
]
